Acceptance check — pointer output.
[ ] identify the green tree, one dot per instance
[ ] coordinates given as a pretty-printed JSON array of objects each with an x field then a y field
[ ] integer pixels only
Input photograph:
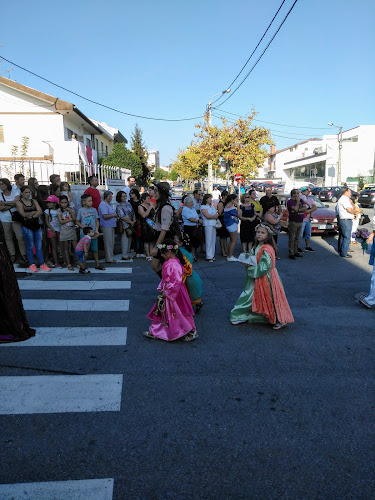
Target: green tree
[
  {"x": 137, "y": 145},
  {"x": 160, "y": 174},
  {"x": 122, "y": 157},
  {"x": 240, "y": 144},
  {"x": 173, "y": 176}
]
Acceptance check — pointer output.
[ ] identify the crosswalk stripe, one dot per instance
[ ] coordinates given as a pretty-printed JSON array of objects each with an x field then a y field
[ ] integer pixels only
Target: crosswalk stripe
[
  {"x": 73, "y": 285},
  {"x": 75, "y": 305},
  {"x": 68, "y": 337},
  {"x": 64, "y": 270},
  {"x": 86, "y": 489},
  {"x": 59, "y": 394}
]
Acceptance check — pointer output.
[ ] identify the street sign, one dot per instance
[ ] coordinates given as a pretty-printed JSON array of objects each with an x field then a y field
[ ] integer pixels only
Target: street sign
[{"x": 238, "y": 177}]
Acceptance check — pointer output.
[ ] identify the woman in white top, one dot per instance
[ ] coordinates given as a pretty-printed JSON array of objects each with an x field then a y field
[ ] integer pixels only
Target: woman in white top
[
  {"x": 209, "y": 216},
  {"x": 191, "y": 219}
]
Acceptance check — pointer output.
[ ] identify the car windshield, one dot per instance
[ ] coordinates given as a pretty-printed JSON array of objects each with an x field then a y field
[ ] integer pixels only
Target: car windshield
[
  {"x": 317, "y": 202},
  {"x": 325, "y": 190}
]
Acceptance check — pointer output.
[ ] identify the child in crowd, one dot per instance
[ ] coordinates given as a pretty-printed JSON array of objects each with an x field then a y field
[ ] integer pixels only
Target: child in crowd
[
  {"x": 65, "y": 191},
  {"x": 68, "y": 235},
  {"x": 88, "y": 217},
  {"x": 190, "y": 278},
  {"x": 53, "y": 225},
  {"x": 82, "y": 248},
  {"x": 263, "y": 299},
  {"x": 172, "y": 314}
]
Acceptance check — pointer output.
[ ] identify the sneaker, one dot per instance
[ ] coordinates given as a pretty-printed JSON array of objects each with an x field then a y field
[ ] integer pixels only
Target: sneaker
[
  {"x": 44, "y": 267},
  {"x": 346, "y": 256},
  {"x": 237, "y": 322},
  {"x": 125, "y": 258},
  {"x": 232, "y": 259},
  {"x": 49, "y": 263},
  {"x": 292, "y": 257},
  {"x": 364, "y": 303},
  {"x": 33, "y": 268},
  {"x": 55, "y": 266},
  {"x": 141, "y": 255},
  {"x": 84, "y": 271},
  {"x": 298, "y": 255},
  {"x": 70, "y": 267},
  {"x": 309, "y": 249},
  {"x": 299, "y": 250},
  {"x": 277, "y": 326}
]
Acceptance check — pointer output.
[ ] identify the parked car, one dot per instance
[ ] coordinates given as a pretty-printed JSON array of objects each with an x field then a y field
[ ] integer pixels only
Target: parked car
[
  {"x": 324, "y": 220},
  {"x": 367, "y": 197},
  {"x": 330, "y": 194},
  {"x": 178, "y": 189},
  {"x": 278, "y": 188},
  {"x": 316, "y": 190}
]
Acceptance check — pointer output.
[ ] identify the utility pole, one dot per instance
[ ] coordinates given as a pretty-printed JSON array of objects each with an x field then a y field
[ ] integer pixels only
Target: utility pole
[
  {"x": 209, "y": 113},
  {"x": 339, "y": 163},
  {"x": 340, "y": 150}
]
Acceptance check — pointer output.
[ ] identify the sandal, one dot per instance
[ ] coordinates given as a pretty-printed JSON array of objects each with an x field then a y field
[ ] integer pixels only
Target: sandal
[
  {"x": 149, "y": 335},
  {"x": 190, "y": 336},
  {"x": 198, "y": 307},
  {"x": 101, "y": 268}
]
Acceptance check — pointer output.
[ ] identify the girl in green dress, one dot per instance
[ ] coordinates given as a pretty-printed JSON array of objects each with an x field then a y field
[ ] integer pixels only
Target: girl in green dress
[{"x": 263, "y": 299}]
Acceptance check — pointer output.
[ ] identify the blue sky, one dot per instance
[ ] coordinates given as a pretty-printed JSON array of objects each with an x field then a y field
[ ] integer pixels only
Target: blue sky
[{"x": 167, "y": 59}]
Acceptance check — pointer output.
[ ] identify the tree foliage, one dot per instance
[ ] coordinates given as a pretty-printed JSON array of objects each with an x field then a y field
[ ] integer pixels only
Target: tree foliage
[
  {"x": 137, "y": 145},
  {"x": 122, "y": 157},
  {"x": 240, "y": 144},
  {"x": 160, "y": 174}
]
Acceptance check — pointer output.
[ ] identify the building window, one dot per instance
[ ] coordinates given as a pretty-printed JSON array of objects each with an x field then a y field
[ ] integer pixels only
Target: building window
[
  {"x": 351, "y": 139},
  {"x": 106, "y": 150},
  {"x": 88, "y": 142},
  {"x": 96, "y": 144},
  {"x": 2, "y": 133},
  {"x": 101, "y": 147}
]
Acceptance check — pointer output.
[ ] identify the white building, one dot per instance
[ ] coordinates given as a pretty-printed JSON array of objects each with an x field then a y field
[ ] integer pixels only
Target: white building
[
  {"x": 316, "y": 160},
  {"x": 153, "y": 160},
  {"x": 61, "y": 139}
]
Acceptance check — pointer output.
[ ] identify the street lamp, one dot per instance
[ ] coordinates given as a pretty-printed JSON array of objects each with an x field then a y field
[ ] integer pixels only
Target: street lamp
[
  {"x": 209, "y": 112},
  {"x": 340, "y": 148}
]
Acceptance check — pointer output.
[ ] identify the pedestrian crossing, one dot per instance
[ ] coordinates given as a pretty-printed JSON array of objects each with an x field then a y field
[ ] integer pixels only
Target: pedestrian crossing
[
  {"x": 89, "y": 489},
  {"x": 67, "y": 394},
  {"x": 64, "y": 270}
]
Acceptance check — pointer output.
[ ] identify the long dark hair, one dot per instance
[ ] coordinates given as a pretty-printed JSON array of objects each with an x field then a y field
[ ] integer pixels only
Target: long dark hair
[
  {"x": 162, "y": 201},
  {"x": 230, "y": 198},
  {"x": 7, "y": 183},
  {"x": 31, "y": 184},
  {"x": 179, "y": 255}
]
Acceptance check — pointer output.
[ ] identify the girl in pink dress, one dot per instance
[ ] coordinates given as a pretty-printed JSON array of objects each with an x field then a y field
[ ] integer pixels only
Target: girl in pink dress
[{"x": 172, "y": 316}]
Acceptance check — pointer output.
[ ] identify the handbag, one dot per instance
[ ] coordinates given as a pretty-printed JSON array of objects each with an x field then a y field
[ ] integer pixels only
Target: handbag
[
  {"x": 32, "y": 223},
  {"x": 218, "y": 224},
  {"x": 129, "y": 231},
  {"x": 365, "y": 219}
]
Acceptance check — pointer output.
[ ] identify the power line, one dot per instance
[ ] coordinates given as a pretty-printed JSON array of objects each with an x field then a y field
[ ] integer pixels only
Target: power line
[
  {"x": 100, "y": 104},
  {"x": 261, "y": 55},
  {"x": 272, "y": 123},
  {"x": 243, "y": 67},
  {"x": 272, "y": 132}
]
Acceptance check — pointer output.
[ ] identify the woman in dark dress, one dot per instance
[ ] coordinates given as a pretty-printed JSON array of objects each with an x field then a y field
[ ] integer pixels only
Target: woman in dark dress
[
  {"x": 248, "y": 220},
  {"x": 14, "y": 326}
]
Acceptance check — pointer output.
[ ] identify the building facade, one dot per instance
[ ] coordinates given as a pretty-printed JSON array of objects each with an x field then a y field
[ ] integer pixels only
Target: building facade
[
  {"x": 60, "y": 138},
  {"x": 153, "y": 160},
  {"x": 316, "y": 160}
]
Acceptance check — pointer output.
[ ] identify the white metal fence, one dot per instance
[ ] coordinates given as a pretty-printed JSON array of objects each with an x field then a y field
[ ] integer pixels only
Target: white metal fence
[{"x": 72, "y": 173}]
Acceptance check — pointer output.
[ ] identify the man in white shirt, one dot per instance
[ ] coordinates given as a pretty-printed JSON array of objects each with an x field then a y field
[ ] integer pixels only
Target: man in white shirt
[
  {"x": 131, "y": 184},
  {"x": 345, "y": 214}
]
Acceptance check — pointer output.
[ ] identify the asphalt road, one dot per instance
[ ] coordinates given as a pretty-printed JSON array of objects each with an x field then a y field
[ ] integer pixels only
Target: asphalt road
[{"x": 243, "y": 412}]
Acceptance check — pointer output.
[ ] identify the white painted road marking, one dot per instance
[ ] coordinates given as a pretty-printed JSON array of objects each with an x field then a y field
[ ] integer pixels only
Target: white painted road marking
[
  {"x": 60, "y": 394},
  {"x": 89, "y": 489},
  {"x": 67, "y": 336},
  {"x": 75, "y": 305},
  {"x": 73, "y": 285},
  {"x": 64, "y": 270}
]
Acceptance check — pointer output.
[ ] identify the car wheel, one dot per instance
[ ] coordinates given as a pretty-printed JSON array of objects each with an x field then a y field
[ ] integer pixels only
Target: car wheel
[
  {"x": 364, "y": 206},
  {"x": 334, "y": 199}
]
